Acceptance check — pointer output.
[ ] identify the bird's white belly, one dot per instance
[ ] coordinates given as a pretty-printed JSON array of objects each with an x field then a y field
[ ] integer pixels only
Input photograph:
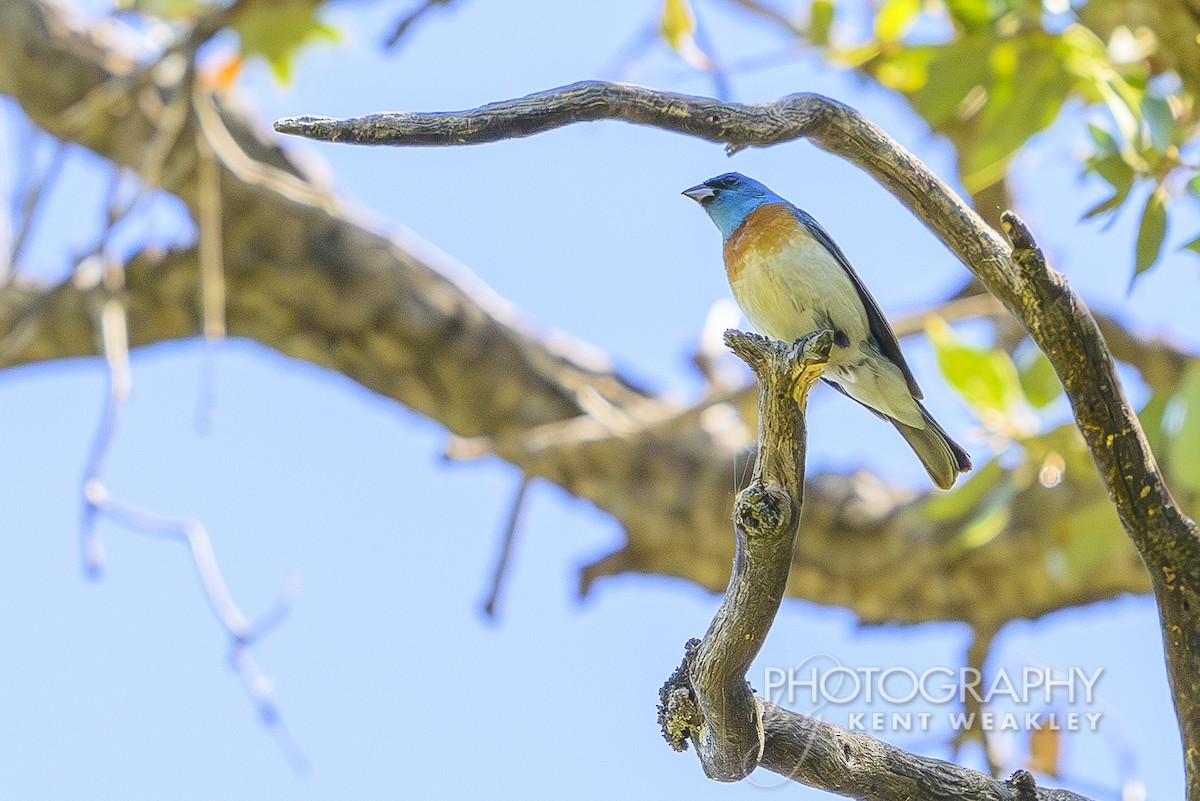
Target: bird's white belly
[
  {"x": 797, "y": 290},
  {"x": 802, "y": 288}
]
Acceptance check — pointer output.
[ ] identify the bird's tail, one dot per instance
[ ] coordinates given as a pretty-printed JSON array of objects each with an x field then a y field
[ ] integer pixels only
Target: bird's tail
[{"x": 943, "y": 458}]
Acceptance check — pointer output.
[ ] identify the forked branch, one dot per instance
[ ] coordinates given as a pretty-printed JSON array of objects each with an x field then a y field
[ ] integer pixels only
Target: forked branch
[{"x": 707, "y": 701}]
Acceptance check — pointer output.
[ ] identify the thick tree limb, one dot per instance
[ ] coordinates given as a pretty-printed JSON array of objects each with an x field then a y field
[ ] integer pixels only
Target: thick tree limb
[
  {"x": 1040, "y": 299},
  {"x": 1166, "y": 538},
  {"x": 313, "y": 282}
]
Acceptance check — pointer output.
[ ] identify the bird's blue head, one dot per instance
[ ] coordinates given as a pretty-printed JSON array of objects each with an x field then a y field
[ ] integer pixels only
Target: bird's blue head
[{"x": 729, "y": 198}]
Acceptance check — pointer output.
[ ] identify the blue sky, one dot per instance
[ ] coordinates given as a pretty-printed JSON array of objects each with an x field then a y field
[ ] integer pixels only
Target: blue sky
[{"x": 388, "y": 676}]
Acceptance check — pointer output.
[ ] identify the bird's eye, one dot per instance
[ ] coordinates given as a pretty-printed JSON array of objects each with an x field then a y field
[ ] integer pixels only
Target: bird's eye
[{"x": 729, "y": 182}]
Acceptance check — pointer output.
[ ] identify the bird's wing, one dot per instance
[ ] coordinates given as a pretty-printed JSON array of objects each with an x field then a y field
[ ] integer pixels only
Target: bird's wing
[{"x": 881, "y": 329}]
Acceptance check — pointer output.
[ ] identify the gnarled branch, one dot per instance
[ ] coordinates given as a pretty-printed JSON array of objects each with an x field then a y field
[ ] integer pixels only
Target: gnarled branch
[
  {"x": 729, "y": 737},
  {"x": 707, "y": 701}
]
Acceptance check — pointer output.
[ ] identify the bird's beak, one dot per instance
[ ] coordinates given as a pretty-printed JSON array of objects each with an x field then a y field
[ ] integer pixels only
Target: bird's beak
[{"x": 700, "y": 193}]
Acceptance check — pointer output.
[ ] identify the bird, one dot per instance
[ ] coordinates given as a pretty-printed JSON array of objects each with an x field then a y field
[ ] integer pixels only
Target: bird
[{"x": 790, "y": 279}]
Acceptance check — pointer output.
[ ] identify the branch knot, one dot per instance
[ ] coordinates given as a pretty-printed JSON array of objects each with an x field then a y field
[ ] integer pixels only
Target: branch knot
[{"x": 763, "y": 511}]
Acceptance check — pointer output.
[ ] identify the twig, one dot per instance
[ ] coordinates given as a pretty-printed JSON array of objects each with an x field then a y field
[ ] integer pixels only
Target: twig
[
  {"x": 770, "y": 14},
  {"x": 35, "y": 190},
  {"x": 506, "y": 545},
  {"x": 250, "y": 170},
  {"x": 622, "y": 61},
  {"x": 716, "y": 67},
  {"x": 410, "y": 19},
  {"x": 243, "y": 633},
  {"x": 114, "y": 337},
  {"x": 976, "y": 660}
]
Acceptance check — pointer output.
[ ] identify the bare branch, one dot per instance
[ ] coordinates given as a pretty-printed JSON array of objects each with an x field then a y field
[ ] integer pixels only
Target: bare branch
[
  {"x": 707, "y": 701},
  {"x": 828, "y": 124},
  {"x": 819, "y": 754},
  {"x": 729, "y": 738},
  {"x": 507, "y": 538},
  {"x": 1166, "y": 538}
]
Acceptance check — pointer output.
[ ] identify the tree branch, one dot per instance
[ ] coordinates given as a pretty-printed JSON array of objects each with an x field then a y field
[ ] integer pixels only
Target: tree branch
[
  {"x": 1166, "y": 538},
  {"x": 707, "y": 701},
  {"x": 766, "y": 517},
  {"x": 828, "y": 124},
  {"x": 1040, "y": 299}
]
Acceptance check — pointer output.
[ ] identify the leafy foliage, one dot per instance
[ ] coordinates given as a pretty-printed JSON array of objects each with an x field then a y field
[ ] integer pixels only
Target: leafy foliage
[
  {"x": 996, "y": 72},
  {"x": 1183, "y": 456},
  {"x": 986, "y": 379}
]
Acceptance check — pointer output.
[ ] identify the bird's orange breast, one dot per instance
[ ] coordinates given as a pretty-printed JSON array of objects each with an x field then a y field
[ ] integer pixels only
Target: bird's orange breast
[{"x": 765, "y": 231}]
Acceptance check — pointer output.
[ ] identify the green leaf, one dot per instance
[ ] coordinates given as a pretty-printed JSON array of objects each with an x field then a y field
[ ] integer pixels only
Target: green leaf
[
  {"x": 971, "y": 15},
  {"x": 1039, "y": 382},
  {"x": 1193, "y": 185},
  {"x": 168, "y": 9},
  {"x": 985, "y": 378},
  {"x": 966, "y": 496},
  {"x": 1114, "y": 169},
  {"x": 1151, "y": 232},
  {"x": 908, "y": 71},
  {"x": 1184, "y": 456},
  {"x": 940, "y": 77},
  {"x": 277, "y": 31},
  {"x": 1089, "y": 536},
  {"x": 1103, "y": 206},
  {"x": 894, "y": 18},
  {"x": 1156, "y": 113},
  {"x": 1151, "y": 418},
  {"x": 1193, "y": 246},
  {"x": 1028, "y": 86},
  {"x": 984, "y": 527},
  {"x": 820, "y": 22},
  {"x": 1105, "y": 143}
]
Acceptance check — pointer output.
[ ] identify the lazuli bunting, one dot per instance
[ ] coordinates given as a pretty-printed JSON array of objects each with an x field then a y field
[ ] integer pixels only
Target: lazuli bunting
[{"x": 790, "y": 278}]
